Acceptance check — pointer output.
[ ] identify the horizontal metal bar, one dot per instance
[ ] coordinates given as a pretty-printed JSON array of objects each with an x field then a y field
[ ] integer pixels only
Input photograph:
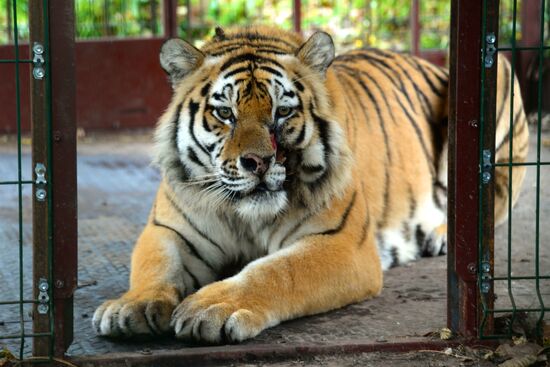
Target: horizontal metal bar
[
  {"x": 3, "y": 303},
  {"x": 534, "y": 48},
  {"x": 15, "y": 182},
  {"x": 22, "y": 61},
  {"x": 522, "y": 277},
  {"x": 232, "y": 354},
  {"x": 522, "y": 164},
  {"x": 19, "y": 336},
  {"x": 511, "y": 310}
]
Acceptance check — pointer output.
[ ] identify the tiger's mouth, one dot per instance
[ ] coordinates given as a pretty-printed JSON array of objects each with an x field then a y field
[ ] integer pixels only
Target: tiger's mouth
[{"x": 280, "y": 155}]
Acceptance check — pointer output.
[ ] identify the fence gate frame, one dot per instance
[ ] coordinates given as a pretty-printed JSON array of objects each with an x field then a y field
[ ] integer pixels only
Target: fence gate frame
[
  {"x": 472, "y": 90},
  {"x": 53, "y": 126}
]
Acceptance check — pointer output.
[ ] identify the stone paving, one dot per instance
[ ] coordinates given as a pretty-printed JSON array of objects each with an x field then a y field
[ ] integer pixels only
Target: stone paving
[{"x": 116, "y": 186}]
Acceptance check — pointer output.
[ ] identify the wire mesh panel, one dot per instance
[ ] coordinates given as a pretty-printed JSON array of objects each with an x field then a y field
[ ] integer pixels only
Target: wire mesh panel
[
  {"x": 38, "y": 236},
  {"x": 22, "y": 189},
  {"x": 514, "y": 265}
]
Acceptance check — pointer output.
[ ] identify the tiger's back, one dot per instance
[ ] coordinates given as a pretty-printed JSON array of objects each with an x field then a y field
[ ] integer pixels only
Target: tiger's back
[{"x": 396, "y": 116}]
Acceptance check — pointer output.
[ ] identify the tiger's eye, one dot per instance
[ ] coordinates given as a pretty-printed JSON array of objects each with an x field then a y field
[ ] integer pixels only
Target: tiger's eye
[
  {"x": 283, "y": 111},
  {"x": 224, "y": 112}
]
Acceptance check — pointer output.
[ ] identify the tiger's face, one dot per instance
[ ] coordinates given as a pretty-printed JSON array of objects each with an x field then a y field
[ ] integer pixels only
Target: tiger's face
[{"x": 245, "y": 128}]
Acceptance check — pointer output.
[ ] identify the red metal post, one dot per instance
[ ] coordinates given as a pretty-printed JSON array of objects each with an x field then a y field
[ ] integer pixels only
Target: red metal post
[
  {"x": 415, "y": 27},
  {"x": 63, "y": 170},
  {"x": 170, "y": 18},
  {"x": 530, "y": 37},
  {"x": 463, "y": 195},
  {"x": 297, "y": 15}
]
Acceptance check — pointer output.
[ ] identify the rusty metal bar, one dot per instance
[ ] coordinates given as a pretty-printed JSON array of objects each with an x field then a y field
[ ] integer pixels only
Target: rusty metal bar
[
  {"x": 40, "y": 217},
  {"x": 463, "y": 194},
  {"x": 63, "y": 171},
  {"x": 297, "y": 15},
  {"x": 170, "y": 18},
  {"x": 415, "y": 28},
  {"x": 530, "y": 37},
  {"x": 226, "y": 355}
]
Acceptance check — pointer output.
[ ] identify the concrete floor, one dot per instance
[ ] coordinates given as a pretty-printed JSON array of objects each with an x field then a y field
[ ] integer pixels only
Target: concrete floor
[{"x": 116, "y": 190}]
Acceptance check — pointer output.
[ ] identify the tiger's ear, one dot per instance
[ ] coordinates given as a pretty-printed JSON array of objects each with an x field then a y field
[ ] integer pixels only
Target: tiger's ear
[
  {"x": 178, "y": 58},
  {"x": 317, "y": 52}
]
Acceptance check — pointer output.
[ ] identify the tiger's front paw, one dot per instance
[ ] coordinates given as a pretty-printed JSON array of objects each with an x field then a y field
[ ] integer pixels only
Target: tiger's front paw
[
  {"x": 219, "y": 312},
  {"x": 136, "y": 314}
]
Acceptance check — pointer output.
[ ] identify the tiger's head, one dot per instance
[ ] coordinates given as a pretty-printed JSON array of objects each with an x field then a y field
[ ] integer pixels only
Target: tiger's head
[{"x": 251, "y": 125}]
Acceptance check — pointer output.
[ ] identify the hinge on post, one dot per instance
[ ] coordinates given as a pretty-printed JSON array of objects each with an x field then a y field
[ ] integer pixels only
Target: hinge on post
[
  {"x": 40, "y": 182},
  {"x": 43, "y": 297},
  {"x": 486, "y": 168},
  {"x": 490, "y": 49},
  {"x": 38, "y": 71},
  {"x": 485, "y": 277}
]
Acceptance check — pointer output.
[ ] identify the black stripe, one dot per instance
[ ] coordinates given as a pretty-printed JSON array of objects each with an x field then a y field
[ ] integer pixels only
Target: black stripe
[
  {"x": 239, "y": 46},
  {"x": 506, "y": 139},
  {"x": 271, "y": 70},
  {"x": 356, "y": 95},
  {"x": 205, "y": 125},
  {"x": 382, "y": 94},
  {"x": 395, "y": 257},
  {"x": 382, "y": 66},
  {"x": 322, "y": 125},
  {"x": 248, "y": 57},
  {"x": 412, "y": 202},
  {"x": 258, "y": 37},
  {"x": 205, "y": 89},
  {"x": 369, "y": 94},
  {"x": 290, "y": 94},
  {"x": 420, "y": 237},
  {"x": 507, "y": 88},
  {"x": 367, "y": 218},
  {"x": 345, "y": 216},
  {"x": 175, "y": 164},
  {"x": 417, "y": 66},
  {"x": 435, "y": 198},
  {"x": 190, "y": 245},
  {"x": 236, "y": 71},
  {"x": 210, "y": 147},
  {"x": 188, "y": 220},
  {"x": 193, "y": 109},
  {"x": 193, "y": 157},
  {"x": 301, "y": 136},
  {"x": 420, "y": 137}
]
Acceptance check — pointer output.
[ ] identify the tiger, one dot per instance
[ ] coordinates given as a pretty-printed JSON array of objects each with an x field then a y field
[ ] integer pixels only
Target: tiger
[{"x": 291, "y": 180}]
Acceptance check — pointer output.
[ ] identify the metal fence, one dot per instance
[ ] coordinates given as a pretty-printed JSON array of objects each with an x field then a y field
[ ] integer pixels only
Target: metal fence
[
  {"x": 44, "y": 300},
  {"x": 489, "y": 295},
  {"x": 41, "y": 311},
  {"x": 510, "y": 296}
]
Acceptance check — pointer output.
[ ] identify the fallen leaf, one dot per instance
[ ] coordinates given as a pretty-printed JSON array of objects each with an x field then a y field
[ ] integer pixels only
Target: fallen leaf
[{"x": 445, "y": 334}]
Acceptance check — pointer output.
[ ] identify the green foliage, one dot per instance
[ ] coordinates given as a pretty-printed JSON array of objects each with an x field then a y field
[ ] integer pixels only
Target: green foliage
[
  {"x": 118, "y": 18},
  {"x": 353, "y": 23},
  {"x": 7, "y": 20}
]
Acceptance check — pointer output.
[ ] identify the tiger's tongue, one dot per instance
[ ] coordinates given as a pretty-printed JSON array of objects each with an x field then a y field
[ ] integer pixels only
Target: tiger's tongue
[
  {"x": 280, "y": 157},
  {"x": 273, "y": 141}
]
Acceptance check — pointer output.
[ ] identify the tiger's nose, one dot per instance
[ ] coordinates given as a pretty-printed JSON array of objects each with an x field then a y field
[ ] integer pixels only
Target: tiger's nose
[{"x": 255, "y": 164}]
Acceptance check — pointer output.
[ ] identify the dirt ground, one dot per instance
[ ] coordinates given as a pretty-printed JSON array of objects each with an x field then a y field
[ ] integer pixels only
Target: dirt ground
[{"x": 116, "y": 186}]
